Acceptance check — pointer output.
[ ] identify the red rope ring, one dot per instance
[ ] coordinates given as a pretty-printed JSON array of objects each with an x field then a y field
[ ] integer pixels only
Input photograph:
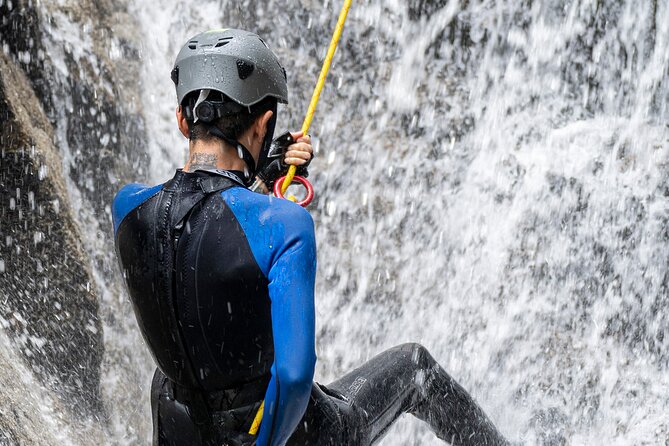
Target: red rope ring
[{"x": 304, "y": 182}]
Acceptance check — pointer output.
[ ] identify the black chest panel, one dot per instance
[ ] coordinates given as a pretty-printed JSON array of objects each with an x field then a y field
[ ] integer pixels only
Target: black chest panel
[{"x": 200, "y": 298}]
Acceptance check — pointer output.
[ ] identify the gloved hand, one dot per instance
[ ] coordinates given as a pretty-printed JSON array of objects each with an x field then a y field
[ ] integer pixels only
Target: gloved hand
[{"x": 288, "y": 149}]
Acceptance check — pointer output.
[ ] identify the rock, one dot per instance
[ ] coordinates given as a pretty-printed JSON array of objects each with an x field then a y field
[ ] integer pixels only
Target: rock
[
  {"x": 72, "y": 133},
  {"x": 48, "y": 307}
]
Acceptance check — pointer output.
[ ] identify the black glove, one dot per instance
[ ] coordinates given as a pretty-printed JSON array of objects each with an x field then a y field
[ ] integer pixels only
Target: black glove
[{"x": 275, "y": 168}]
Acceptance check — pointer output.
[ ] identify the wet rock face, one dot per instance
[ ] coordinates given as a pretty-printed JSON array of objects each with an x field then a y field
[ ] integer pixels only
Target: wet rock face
[
  {"x": 87, "y": 89},
  {"x": 48, "y": 307},
  {"x": 21, "y": 36},
  {"x": 70, "y": 133}
]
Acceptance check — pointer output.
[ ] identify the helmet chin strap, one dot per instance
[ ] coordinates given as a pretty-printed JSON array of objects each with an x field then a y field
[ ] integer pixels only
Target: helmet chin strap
[
  {"x": 242, "y": 151},
  {"x": 267, "y": 143}
]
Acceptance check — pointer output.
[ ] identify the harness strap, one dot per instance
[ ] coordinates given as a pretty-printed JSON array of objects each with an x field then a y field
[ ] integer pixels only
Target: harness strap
[
  {"x": 195, "y": 189},
  {"x": 242, "y": 151}
]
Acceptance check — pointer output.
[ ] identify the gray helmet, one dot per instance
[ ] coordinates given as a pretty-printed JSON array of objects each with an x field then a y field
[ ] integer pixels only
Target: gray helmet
[{"x": 239, "y": 64}]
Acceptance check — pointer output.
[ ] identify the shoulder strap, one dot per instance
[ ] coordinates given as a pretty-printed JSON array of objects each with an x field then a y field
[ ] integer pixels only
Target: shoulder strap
[
  {"x": 212, "y": 184},
  {"x": 192, "y": 191}
]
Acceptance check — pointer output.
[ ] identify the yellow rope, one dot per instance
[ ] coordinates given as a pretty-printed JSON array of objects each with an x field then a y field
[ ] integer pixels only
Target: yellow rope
[
  {"x": 255, "y": 426},
  {"x": 319, "y": 86}
]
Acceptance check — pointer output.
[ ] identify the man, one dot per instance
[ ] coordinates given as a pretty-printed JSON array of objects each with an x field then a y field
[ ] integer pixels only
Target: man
[{"x": 222, "y": 282}]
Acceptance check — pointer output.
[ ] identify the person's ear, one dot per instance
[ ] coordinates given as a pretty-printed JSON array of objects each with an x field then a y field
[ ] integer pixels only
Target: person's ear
[
  {"x": 262, "y": 122},
  {"x": 182, "y": 122}
]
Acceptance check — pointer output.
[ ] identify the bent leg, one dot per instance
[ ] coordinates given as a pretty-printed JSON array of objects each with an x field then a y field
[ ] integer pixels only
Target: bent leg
[
  {"x": 406, "y": 379},
  {"x": 323, "y": 421}
]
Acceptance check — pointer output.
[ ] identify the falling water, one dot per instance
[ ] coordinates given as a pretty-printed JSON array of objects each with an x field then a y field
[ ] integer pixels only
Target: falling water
[{"x": 492, "y": 180}]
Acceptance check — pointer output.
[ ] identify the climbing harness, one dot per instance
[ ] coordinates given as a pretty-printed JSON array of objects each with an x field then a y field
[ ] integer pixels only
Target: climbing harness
[
  {"x": 288, "y": 179},
  {"x": 282, "y": 183}
]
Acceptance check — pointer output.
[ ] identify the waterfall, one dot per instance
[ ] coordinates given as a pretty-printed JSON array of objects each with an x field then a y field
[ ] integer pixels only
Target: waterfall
[{"x": 492, "y": 182}]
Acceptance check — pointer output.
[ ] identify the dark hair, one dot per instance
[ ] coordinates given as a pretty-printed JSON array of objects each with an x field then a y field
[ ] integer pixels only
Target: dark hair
[{"x": 232, "y": 126}]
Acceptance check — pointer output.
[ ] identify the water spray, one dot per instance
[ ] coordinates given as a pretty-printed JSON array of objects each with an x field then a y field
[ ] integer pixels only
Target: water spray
[{"x": 281, "y": 185}]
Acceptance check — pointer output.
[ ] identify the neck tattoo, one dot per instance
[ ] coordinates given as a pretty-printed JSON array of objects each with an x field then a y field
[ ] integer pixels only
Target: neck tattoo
[{"x": 202, "y": 161}]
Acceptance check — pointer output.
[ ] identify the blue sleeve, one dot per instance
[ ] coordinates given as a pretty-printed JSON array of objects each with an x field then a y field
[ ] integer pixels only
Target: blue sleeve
[
  {"x": 129, "y": 198},
  {"x": 281, "y": 237}
]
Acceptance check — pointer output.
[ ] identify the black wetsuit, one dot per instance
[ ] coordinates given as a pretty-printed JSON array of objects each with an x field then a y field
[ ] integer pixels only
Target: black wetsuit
[
  {"x": 222, "y": 283},
  {"x": 358, "y": 408}
]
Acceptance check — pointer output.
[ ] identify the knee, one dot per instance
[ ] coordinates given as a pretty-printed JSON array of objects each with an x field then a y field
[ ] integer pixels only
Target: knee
[
  {"x": 419, "y": 354},
  {"x": 412, "y": 347}
]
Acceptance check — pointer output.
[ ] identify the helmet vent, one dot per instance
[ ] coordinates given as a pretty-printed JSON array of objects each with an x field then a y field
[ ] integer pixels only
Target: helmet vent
[
  {"x": 192, "y": 44},
  {"x": 244, "y": 69},
  {"x": 222, "y": 42}
]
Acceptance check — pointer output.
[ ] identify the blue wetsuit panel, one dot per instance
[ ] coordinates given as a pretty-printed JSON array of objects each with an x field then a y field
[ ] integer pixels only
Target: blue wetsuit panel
[
  {"x": 281, "y": 237},
  {"x": 129, "y": 198}
]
